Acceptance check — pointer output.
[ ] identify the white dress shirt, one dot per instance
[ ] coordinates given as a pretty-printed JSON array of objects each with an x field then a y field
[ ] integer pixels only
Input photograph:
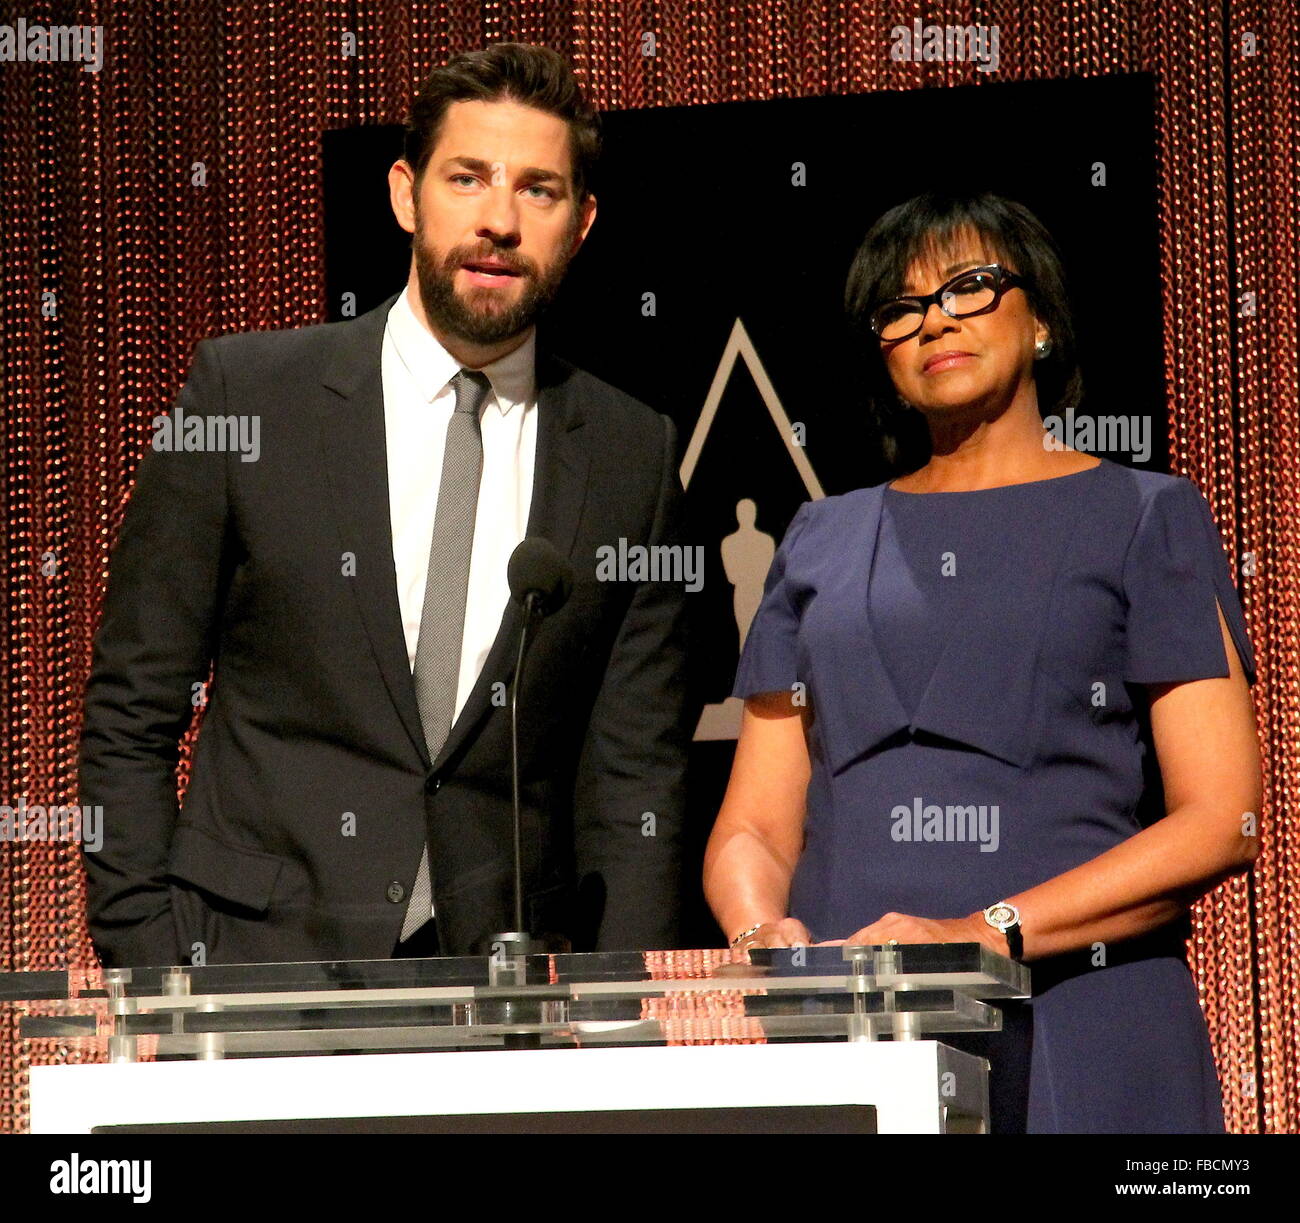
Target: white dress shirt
[{"x": 418, "y": 403}]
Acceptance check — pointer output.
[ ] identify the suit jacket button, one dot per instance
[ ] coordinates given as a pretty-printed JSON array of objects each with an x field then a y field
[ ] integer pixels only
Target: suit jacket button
[
  {"x": 396, "y": 892},
  {"x": 432, "y": 785}
]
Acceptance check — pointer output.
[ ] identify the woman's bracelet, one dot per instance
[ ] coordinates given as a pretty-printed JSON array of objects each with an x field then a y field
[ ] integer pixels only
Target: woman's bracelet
[{"x": 744, "y": 934}]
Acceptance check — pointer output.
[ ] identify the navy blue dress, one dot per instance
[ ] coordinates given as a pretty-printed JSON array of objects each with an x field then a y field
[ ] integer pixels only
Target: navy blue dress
[{"x": 975, "y": 664}]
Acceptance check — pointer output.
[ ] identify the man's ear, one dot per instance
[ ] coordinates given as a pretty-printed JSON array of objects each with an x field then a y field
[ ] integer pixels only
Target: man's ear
[
  {"x": 401, "y": 193},
  {"x": 587, "y": 215}
]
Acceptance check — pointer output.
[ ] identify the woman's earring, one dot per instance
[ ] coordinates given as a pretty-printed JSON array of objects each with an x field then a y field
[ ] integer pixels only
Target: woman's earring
[{"x": 1041, "y": 349}]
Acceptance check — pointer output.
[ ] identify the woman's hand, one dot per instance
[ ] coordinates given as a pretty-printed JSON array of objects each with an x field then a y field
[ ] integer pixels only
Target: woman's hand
[
  {"x": 788, "y": 932},
  {"x": 756, "y": 842},
  {"x": 903, "y": 928}
]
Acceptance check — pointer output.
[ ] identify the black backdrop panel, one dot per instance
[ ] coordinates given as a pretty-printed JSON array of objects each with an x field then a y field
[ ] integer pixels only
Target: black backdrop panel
[{"x": 699, "y": 207}]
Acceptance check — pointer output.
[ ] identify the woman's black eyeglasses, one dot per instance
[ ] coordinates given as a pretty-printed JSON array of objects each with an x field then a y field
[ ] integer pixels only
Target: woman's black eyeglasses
[{"x": 974, "y": 291}]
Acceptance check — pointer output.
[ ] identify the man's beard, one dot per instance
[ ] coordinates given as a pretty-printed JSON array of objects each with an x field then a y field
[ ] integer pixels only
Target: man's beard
[{"x": 466, "y": 316}]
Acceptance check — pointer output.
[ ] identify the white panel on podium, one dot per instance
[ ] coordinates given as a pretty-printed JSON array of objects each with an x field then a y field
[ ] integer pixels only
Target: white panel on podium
[{"x": 916, "y": 1087}]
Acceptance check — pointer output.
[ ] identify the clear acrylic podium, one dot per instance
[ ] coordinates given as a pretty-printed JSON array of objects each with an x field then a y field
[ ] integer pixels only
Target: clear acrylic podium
[{"x": 692, "y": 1041}]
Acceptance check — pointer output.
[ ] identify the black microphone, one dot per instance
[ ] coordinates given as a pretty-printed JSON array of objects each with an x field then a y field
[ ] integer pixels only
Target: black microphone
[
  {"x": 536, "y": 568},
  {"x": 541, "y": 580}
]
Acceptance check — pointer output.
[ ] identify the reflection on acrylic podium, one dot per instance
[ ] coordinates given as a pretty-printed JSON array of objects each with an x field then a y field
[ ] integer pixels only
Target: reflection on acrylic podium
[{"x": 814, "y": 1039}]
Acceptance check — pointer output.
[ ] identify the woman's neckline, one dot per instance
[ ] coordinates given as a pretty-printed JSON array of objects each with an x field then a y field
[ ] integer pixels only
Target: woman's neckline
[{"x": 997, "y": 488}]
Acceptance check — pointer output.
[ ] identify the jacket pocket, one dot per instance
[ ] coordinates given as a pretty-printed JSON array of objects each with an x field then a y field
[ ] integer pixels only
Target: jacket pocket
[
  {"x": 245, "y": 877},
  {"x": 194, "y": 924}
]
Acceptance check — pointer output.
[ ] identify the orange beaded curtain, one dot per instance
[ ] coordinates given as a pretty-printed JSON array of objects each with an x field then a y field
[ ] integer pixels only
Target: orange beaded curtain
[{"x": 174, "y": 193}]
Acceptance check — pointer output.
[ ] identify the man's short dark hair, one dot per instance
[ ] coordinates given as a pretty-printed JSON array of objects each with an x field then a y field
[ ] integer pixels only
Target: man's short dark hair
[{"x": 532, "y": 76}]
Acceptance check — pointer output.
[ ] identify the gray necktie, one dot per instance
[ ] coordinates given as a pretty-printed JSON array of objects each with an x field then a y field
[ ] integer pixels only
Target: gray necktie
[{"x": 442, "y": 618}]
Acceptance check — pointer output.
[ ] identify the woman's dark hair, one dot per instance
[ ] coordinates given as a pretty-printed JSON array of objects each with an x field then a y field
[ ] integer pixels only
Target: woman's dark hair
[
  {"x": 532, "y": 76},
  {"x": 931, "y": 227}
]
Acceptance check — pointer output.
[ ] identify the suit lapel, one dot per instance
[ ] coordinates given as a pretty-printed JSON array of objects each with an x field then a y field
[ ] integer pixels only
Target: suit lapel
[
  {"x": 560, "y": 478},
  {"x": 355, "y": 461}
]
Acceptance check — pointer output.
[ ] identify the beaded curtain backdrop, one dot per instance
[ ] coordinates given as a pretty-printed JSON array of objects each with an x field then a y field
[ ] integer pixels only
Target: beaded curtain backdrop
[{"x": 170, "y": 190}]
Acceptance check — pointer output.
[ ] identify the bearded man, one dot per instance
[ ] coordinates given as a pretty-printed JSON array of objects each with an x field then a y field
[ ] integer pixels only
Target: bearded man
[{"x": 337, "y": 602}]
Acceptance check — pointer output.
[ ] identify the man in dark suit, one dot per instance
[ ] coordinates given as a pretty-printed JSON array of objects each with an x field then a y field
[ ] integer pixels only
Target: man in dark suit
[{"x": 340, "y": 567}]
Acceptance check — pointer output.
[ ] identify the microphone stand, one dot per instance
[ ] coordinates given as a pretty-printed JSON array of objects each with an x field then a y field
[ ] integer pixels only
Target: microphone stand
[
  {"x": 507, "y": 965},
  {"x": 521, "y": 937}
]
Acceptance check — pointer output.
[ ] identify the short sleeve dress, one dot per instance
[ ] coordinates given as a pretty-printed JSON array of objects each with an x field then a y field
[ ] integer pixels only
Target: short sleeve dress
[{"x": 976, "y": 663}]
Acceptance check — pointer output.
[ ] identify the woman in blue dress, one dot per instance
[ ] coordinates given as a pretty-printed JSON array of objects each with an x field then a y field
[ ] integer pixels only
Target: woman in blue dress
[{"x": 1002, "y": 698}]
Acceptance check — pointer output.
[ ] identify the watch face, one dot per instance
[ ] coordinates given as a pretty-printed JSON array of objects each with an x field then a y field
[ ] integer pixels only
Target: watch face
[{"x": 1001, "y": 915}]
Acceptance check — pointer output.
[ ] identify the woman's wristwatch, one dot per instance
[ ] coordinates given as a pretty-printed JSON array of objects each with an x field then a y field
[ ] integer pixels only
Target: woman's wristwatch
[{"x": 1006, "y": 917}]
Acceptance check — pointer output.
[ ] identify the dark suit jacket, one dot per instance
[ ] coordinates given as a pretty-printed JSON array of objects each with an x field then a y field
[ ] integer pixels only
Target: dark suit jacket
[{"x": 312, "y": 791}]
